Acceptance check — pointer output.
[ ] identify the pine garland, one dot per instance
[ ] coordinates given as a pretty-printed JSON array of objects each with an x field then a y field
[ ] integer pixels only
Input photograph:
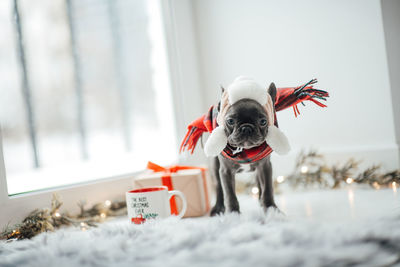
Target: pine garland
[
  {"x": 49, "y": 219},
  {"x": 311, "y": 171}
]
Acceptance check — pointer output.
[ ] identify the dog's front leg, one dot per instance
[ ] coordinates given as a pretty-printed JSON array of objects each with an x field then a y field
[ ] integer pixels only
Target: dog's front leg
[
  {"x": 219, "y": 206},
  {"x": 227, "y": 175},
  {"x": 264, "y": 178}
]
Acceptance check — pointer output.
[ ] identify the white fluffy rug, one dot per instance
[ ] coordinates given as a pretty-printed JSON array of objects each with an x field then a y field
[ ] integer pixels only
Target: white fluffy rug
[{"x": 249, "y": 239}]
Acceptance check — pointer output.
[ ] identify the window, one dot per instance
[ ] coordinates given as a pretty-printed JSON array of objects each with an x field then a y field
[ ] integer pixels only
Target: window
[
  {"x": 85, "y": 91},
  {"x": 176, "y": 81}
]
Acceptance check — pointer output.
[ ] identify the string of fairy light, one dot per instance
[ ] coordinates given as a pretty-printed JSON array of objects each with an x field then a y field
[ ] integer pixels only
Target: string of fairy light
[
  {"x": 103, "y": 215},
  {"x": 311, "y": 170},
  {"x": 49, "y": 219}
]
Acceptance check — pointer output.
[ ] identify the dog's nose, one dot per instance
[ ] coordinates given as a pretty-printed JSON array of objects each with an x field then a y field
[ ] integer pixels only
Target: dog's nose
[{"x": 246, "y": 129}]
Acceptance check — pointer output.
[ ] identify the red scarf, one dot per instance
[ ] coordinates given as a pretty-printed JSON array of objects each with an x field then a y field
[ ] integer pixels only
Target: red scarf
[{"x": 285, "y": 97}]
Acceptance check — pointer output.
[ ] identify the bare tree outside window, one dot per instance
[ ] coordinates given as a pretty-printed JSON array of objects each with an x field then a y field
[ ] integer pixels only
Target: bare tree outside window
[{"x": 79, "y": 94}]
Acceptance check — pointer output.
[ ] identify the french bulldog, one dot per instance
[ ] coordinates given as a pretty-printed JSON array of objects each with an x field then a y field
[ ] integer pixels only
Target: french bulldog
[{"x": 245, "y": 124}]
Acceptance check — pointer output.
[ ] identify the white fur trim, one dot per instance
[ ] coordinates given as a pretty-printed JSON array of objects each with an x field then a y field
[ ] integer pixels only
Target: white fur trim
[
  {"x": 244, "y": 87},
  {"x": 216, "y": 142},
  {"x": 242, "y": 78},
  {"x": 277, "y": 140}
]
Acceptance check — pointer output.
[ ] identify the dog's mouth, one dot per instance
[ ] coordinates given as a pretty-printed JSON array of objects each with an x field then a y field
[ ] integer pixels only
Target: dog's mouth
[
  {"x": 246, "y": 136},
  {"x": 245, "y": 142}
]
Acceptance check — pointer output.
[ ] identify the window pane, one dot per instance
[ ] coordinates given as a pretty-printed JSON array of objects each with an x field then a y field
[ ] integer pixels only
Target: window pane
[{"x": 99, "y": 91}]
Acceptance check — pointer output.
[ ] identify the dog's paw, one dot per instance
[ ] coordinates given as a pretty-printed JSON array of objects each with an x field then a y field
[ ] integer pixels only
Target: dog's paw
[
  {"x": 234, "y": 207},
  {"x": 273, "y": 210},
  {"x": 217, "y": 210}
]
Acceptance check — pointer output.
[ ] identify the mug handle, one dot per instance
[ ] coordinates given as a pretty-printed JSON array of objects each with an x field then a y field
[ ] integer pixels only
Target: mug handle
[{"x": 182, "y": 196}]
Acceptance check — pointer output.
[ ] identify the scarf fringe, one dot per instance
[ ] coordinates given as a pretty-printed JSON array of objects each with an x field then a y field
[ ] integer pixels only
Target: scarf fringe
[
  {"x": 308, "y": 92},
  {"x": 191, "y": 138}
]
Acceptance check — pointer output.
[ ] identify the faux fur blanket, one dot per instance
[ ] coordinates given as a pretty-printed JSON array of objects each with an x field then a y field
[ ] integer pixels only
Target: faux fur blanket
[{"x": 249, "y": 239}]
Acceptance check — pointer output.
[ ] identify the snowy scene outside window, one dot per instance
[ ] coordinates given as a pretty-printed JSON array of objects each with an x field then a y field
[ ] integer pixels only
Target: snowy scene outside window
[{"x": 84, "y": 91}]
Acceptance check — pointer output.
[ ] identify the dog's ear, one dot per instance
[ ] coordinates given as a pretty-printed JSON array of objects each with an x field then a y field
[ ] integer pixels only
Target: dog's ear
[
  {"x": 272, "y": 91},
  {"x": 222, "y": 92}
]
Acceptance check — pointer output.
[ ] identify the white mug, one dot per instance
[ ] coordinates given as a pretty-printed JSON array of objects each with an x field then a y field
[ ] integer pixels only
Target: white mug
[{"x": 151, "y": 203}]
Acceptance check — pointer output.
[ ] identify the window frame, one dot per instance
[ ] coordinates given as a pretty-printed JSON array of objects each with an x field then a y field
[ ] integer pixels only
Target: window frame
[{"x": 187, "y": 104}]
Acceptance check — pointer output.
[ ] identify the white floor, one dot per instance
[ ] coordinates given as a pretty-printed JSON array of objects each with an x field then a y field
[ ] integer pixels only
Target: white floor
[
  {"x": 347, "y": 227},
  {"x": 343, "y": 205}
]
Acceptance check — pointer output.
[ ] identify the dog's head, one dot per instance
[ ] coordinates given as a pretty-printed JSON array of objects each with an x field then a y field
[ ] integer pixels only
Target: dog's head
[
  {"x": 246, "y": 119},
  {"x": 246, "y": 122}
]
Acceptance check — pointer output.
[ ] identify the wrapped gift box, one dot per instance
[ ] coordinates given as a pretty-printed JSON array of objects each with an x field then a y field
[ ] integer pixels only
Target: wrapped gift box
[{"x": 193, "y": 182}]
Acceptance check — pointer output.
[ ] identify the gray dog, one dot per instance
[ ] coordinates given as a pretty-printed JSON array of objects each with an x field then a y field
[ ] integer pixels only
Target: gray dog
[
  {"x": 243, "y": 133},
  {"x": 245, "y": 124}
]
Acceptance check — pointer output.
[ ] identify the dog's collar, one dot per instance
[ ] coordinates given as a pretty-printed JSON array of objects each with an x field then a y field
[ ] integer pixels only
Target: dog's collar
[
  {"x": 237, "y": 150},
  {"x": 246, "y": 156}
]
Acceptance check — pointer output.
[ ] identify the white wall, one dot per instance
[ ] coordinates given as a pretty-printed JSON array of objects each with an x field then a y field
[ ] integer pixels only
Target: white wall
[
  {"x": 391, "y": 22},
  {"x": 183, "y": 65},
  {"x": 289, "y": 42}
]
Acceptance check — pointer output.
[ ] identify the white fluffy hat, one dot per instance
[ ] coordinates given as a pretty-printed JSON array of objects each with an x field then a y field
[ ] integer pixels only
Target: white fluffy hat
[{"x": 246, "y": 88}]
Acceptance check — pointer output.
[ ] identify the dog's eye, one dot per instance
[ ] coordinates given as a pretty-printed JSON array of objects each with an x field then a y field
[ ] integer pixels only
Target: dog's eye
[
  {"x": 230, "y": 122},
  {"x": 263, "y": 122}
]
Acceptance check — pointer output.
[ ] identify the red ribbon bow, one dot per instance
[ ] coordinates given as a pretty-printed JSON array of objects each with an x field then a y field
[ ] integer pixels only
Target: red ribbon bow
[{"x": 172, "y": 169}]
